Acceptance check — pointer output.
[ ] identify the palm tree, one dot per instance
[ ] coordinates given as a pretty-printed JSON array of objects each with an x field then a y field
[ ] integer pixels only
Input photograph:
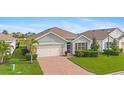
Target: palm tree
[
  {"x": 31, "y": 47},
  {"x": 4, "y": 50}
]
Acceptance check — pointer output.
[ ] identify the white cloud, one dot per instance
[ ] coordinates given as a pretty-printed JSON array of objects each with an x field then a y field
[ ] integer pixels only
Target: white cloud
[
  {"x": 38, "y": 25},
  {"x": 73, "y": 27},
  {"x": 99, "y": 24},
  {"x": 88, "y": 24},
  {"x": 106, "y": 25},
  {"x": 83, "y": 25},
  {"x": 86, "y": 19}
]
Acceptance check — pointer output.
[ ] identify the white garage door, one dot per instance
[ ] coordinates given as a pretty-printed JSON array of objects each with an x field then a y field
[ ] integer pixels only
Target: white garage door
[{"x": 49, "y": 50}]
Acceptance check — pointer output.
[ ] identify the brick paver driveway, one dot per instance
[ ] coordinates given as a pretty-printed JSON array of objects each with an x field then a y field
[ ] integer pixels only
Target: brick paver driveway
[{"x": 60, "y": 65}]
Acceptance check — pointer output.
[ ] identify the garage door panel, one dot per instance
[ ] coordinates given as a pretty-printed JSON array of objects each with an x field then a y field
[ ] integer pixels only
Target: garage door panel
[{"x": 54, "y": 50}]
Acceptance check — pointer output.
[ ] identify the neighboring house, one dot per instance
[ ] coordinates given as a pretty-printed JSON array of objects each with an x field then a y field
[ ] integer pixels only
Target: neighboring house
[
  {"x": 105, "y": 36},
  {"x": 9, "y": 39},
  {"x": 55, "y": 41}
]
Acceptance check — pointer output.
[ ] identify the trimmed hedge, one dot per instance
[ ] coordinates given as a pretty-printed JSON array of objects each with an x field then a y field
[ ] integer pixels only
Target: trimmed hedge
[
  {"x": 121, "y": 50},
  {"x": 28, "y": 56},
  {"x": 111, "y": 52},
  {"x": 86, "y": 53}
]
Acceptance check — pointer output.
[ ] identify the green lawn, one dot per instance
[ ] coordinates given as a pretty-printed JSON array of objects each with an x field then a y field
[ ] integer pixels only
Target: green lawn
[
  {"x": 101, "y": 64},
  {"x": 22, "y": 66}
]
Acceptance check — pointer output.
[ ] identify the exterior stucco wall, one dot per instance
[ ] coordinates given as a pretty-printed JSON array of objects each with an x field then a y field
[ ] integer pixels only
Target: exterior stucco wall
[
  {"x": 13, "y": 44},
  {"x": 116, "y": 34},
  {"x": 81, "y": 40},
  {"x": 52, "y": 39},
  {"x": 120, "y": 41},
  {"x": 100, "y": 45},
  {"x": 106, "y": 40}
]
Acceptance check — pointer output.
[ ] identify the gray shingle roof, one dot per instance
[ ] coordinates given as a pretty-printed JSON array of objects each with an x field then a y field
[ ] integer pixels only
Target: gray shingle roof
[
  {"x": 63, "y": 33},
  {"x": 6, "y": 37},
  {"x": 99, "y": 34}
]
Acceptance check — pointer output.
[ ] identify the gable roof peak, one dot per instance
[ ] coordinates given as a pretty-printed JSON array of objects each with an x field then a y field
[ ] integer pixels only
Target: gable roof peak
[
  {"x": 63, "y": 33},
  {"x": 99, "y": 34}
]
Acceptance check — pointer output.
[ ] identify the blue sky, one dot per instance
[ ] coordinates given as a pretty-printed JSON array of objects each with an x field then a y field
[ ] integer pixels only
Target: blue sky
[{"x": 73, "y": 24}]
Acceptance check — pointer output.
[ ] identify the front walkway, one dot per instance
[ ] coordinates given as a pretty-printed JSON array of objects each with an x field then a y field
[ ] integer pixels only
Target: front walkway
[{"x": 60, "y": 65}]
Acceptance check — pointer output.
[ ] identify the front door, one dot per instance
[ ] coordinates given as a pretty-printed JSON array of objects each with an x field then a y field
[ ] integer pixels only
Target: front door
[{"x": 69, "y": 47}]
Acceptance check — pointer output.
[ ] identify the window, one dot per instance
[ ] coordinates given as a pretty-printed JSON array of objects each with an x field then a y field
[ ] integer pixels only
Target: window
[
  {"x": 80, "y": 46},
  {"x": 108, "y": 44}
]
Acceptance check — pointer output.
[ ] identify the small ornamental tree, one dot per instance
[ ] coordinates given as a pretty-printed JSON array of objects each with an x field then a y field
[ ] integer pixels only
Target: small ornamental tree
[
  {"x": 94, "y": 45},
  {"x": 4, "y": 50},
  {"x": 114, "y": 45},
  {"x": 32, "y": 48}
]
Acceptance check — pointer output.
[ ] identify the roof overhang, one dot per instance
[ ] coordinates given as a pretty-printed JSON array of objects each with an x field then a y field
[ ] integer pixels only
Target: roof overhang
[
  {"x": 53, "y": 34},
  {"x": 107, "y": 37},
  {"x": 80, "y": 37}
]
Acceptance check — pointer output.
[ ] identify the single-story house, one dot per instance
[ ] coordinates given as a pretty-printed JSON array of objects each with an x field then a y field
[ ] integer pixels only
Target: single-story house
[
  {"x": 9, "y": 39},
  {"x": 55, "y": 41}
]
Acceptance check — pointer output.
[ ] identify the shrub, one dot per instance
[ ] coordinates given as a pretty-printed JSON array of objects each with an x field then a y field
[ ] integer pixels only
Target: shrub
[
  {"x": 66, "y": 52},
  {"x": 79, "y": 53},
  {"x": 25, "y": 51},
  {"x": 28, "y": 56},
  {"x": 111, "y": 52},
  {"x": 121, "y": 50},
  {"x": 86, "y": 53},
  {"x": 34, "y": 56},
  {"x": 94, "y": 53},
  {"x": 17, "y": 44}
]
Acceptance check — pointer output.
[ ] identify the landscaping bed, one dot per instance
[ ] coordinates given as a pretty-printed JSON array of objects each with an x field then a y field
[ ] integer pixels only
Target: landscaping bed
[
  {"x": 22, "y": 65},
  {"x": 102, "y": 64}
]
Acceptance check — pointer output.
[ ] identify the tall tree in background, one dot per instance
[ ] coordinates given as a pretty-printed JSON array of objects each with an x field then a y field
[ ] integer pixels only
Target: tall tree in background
[
  {"x": 94, "y": 45},
  {"x": 114, "y": 45},
  {"x": 5, "y": 32},
  {"x": 21, "y": 35}
]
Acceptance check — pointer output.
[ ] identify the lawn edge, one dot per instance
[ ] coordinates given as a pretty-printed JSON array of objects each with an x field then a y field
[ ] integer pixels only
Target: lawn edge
[{"x": 83, "y": 67}]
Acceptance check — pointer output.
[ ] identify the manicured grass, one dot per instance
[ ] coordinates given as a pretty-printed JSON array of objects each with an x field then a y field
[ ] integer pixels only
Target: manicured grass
[
  {"x": 22, "y": 65},
  {"x": 101, "y": 64}
]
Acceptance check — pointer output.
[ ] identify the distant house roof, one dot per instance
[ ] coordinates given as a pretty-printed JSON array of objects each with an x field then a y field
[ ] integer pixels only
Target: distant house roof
[
  {"x": 99, "y": 34},
  {"x": 63, "y": 33},
  {"x": 6, "y": 37}
]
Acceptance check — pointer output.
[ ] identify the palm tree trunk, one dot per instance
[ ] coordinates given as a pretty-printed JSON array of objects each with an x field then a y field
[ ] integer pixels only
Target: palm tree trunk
[
  {"x": 2, "y": 59},
  {"x": 31, "y": 61}
]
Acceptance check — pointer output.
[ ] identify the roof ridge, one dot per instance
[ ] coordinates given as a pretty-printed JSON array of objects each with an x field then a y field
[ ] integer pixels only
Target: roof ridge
[
  {"x": 56, "y": 30},
  {"x": 104, "y": 29},
  {"x": 63, "y": 30}
]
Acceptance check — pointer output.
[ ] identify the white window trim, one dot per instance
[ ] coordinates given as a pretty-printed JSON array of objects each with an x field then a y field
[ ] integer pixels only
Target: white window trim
[{"x": 81, "y": 45}]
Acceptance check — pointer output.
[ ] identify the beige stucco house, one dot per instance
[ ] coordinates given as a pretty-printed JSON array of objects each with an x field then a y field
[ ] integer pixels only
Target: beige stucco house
[
  {"x": 9, "y": 39},
  {"x": 55, "y": 41}
]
